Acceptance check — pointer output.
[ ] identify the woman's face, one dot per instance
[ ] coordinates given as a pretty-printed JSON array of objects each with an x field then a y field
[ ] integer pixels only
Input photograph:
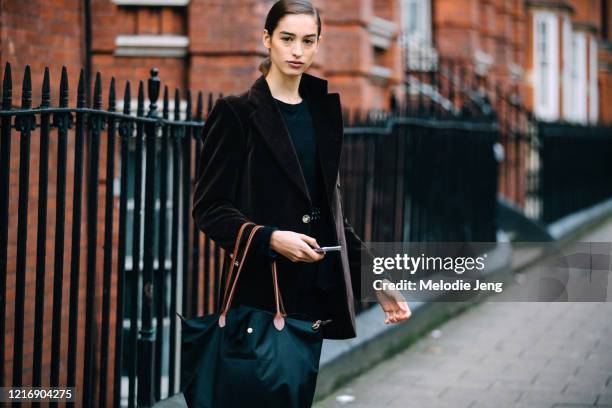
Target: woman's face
[{"x": 293, "y": 44}]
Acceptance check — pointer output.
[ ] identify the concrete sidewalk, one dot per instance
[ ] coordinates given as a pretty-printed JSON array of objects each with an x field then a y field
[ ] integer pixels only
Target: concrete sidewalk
[{"x": 499, "y": 354}]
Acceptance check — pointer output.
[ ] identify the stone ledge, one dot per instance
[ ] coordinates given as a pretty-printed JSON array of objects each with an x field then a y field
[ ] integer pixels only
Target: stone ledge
[
  {"x": 382, "y": 32},
  {"x": 151, "y": 45},
  {"x": 151, "y": 3}
]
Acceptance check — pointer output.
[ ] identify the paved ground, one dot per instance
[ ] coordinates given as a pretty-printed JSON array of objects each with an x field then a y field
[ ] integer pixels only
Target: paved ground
[
  {"x": 496, "y": 354},
  {"x": 499, "y": 354}
]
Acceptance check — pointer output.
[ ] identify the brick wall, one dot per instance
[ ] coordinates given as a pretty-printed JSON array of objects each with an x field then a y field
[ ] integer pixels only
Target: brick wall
[
  {"x": 223, "y": 54},
  {"x": 55, "y": 36}
]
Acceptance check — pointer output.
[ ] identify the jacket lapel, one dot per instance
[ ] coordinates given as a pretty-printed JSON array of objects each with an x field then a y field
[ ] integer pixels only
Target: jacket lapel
[
  {"x": 275, "y": 134},
  {"x": 327, "y": 119}
]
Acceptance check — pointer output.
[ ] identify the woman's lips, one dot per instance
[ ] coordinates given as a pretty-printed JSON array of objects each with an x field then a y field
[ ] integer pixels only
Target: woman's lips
[{"x": 295, "y": 64}]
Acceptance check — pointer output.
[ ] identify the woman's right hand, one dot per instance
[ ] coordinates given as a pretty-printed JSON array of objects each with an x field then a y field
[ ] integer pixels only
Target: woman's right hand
[{"x": 296, "y": 247}]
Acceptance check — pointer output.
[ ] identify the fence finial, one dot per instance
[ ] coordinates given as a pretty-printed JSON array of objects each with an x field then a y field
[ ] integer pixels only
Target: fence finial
[
  {"x": 166, "y": 103},
  {"x": 7, "y": 88},
  {"x": 81, "y": 90},
  {"x": 26, "y": 89},
  {"x": 199, "y": 107},
  {"x": 127, "y": 99},
  {"x": 63, "y": 98},
  {"x": 153, "y": 90},
  {"x": 140, "y": 105},
  {"x": 177, "y": 104},
  {"x": 46, "y": 90},
  {"x": 111, "y": 96},
  {"x": 97, "y": 102}
]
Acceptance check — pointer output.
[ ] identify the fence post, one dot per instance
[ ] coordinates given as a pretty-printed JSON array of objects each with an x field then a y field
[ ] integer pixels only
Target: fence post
[
  {"x": 5, "y": 158},
  {"x": 146, "y": 342}
]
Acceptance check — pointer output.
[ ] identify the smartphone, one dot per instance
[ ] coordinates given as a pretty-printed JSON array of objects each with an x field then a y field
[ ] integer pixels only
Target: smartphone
[{"x": 327, "y": 249}]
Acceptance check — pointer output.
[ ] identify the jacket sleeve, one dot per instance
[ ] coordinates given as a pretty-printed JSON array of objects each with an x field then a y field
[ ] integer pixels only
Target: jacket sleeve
[
  {"x": 221, "y": 159},
  {"x": 356, "y": 248}
]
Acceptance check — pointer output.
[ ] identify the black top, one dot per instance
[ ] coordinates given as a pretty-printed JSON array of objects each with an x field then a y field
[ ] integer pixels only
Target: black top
[
  {"x": 299, "y": 124},
  {"x": 301, "y": 128}
]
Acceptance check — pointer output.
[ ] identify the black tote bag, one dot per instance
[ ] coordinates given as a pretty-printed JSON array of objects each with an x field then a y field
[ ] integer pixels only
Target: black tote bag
[{"x": 248, "y": 357}]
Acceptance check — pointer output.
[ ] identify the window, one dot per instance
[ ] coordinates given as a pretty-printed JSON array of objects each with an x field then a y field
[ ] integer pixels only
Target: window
[
  {"x": 546, "y": 66},
  {"x": 578, "y": 77},
  {"x": 575, "y": 86},
  {"x": 416, "y": 21},
  {"x": 568, "y": 93},
  {"x": 593, "y": 89},
  {"x": 416, "y": 35}
]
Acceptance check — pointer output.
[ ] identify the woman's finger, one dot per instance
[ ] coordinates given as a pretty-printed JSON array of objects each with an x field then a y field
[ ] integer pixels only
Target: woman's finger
[
  {"x": 308, "y": 255},
  {"x": 404, "y": 314},
  {"x": 310, "y": 241}
]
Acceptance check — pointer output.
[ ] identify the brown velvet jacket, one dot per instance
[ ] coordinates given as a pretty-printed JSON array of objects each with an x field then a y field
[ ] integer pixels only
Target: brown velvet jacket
[{"x": 249, "y": 171}]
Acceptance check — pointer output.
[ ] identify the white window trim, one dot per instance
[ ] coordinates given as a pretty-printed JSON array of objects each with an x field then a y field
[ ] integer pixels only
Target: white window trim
[
  {"x": 482, "y": 61},
  {"x": 382, "y": 32},
  {"x": 151, "y": 3},
  {"x": 151, "y": 45},
  {"x": 550, "y": 109},
  {"x": 568, "y": 85},
  {"x": 381, "y": 74},
  {"x": 420, "y": 55},
  {"x": 580, "y": 82},
  {"x": 593, "y": 84},
  {"x": 424, "y": 36}
]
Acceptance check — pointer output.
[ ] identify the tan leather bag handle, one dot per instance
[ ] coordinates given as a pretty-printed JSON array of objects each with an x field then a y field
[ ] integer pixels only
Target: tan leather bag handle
[
  {"x": 279, "y": 321},
  {"x": 234, "y": 257}
]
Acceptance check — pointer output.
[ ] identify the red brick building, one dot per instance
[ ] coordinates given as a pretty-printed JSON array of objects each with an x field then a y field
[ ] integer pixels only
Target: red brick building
[{"x": 557, "y": 52}]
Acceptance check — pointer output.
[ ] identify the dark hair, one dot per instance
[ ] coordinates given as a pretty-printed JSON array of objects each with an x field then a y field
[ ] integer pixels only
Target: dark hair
[{"x": 279, "y": 10}]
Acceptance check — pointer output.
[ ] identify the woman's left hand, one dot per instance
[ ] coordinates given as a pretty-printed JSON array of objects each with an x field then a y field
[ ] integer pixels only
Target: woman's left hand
[{"x": 394, "y": 304}]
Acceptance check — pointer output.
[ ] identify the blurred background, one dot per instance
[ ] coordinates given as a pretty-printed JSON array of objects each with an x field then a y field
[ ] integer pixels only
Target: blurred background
[
  {"x": 465, "y": 120},
  {"x": 556, "y": 51}
]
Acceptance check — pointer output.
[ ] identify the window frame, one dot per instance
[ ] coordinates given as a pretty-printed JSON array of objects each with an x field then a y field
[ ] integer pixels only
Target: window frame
[
  {"x": 593, "y": 81},
  {"x": 423, "y": 20},
  {"x": 546, "y": 84}
]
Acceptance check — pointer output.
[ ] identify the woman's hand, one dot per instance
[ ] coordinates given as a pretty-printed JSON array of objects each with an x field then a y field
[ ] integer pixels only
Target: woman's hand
[
  {"x": 394, "y": 304},
  {"x": 296, "y": 247}
]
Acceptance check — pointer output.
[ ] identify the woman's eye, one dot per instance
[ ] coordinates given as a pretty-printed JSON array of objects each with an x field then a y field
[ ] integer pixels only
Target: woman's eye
[
  {"x": 286, "y": 38},
  {"x": 309, "y": 42}
]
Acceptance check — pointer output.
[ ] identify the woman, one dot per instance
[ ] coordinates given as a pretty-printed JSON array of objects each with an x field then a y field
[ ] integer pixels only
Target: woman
[{"x": 271, "y": 156}]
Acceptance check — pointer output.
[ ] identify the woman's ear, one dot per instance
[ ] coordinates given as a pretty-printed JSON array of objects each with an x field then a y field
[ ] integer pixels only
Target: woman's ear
[{"x": 266, "y": 39}]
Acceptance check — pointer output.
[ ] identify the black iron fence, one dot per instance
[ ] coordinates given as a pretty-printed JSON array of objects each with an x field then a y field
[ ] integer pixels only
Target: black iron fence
[
  {"x": 442, "y": 87},
  {"x": 421, "y": 179},
  {"x": 130, "y": 174},
  {"x": 548, "y": 170},
  {"x": 576, "y": 167},
  {"x": 125, "y": 172}
]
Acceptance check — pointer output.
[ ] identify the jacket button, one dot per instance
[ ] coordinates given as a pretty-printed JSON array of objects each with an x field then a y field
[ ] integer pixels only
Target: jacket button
[{"x": 306, "y": 218}]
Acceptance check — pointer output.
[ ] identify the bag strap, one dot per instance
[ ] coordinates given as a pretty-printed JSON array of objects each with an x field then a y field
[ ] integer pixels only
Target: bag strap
[
  {"x": 234, "y": 260},
  {"x": 277, "y": 298},
  {"x": 279, "y": 321}
]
